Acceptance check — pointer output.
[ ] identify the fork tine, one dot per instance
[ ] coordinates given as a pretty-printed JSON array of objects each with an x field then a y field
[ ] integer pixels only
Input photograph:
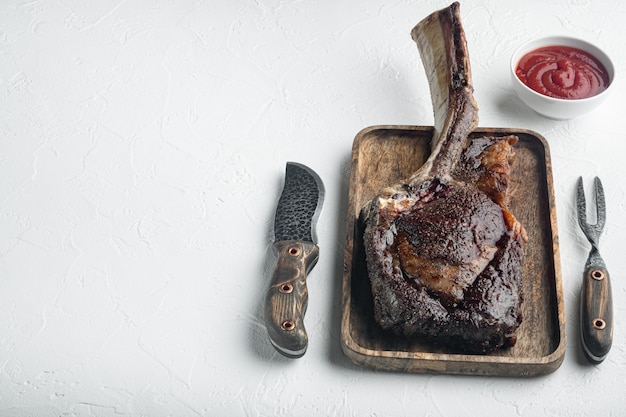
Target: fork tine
[
  {"x": 600, "y": 205},
  {"x": 591, "y": 231},
  {"x": 581, "y": 205}
]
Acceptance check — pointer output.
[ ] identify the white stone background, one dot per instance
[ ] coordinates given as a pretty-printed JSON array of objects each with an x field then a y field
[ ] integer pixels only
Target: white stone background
[{"x": 142, "y": 152}]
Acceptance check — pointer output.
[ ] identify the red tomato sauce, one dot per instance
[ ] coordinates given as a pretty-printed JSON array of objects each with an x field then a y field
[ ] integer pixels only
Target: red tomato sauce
[{"x": 562, "y": 72}]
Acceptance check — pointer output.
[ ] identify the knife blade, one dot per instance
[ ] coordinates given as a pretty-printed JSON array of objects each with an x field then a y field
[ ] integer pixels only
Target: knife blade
[{"x": 296, "y": 252}]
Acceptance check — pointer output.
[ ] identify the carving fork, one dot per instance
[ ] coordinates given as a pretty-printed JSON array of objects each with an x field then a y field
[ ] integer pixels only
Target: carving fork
[{"x": 596, "y": 307}]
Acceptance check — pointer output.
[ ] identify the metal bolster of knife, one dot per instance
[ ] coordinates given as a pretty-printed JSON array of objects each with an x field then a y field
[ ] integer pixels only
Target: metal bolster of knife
[{"x": 287, "y": 297}]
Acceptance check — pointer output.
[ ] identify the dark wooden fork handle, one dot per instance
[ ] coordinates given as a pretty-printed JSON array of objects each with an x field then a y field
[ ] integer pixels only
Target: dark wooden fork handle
[{"x": 596, "y": 314}]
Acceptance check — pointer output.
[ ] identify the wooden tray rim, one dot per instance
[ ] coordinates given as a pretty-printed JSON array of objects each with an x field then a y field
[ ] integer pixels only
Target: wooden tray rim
[{"x": 530, "y": 366}]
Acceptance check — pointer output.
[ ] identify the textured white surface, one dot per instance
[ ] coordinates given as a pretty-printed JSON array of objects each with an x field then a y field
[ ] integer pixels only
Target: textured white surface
[{"x": 142, "y": 149}]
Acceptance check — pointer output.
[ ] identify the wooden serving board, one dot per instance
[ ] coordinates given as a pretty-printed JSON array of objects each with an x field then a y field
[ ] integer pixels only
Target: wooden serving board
[{"x": 383, "y": 155}]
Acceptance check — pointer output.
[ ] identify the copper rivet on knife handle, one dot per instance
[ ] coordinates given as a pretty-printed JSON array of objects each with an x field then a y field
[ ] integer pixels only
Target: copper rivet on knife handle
[
  {"x": 286, "y": 288},
  {"x": 288, "y": 325}
]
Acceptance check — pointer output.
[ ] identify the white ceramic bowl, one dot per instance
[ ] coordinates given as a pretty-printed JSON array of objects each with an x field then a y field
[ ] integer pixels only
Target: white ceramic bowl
[{"x": 556, "y": 108}]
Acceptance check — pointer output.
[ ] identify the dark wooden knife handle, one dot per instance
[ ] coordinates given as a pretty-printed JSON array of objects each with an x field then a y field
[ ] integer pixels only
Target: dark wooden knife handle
[
  {"x": 287, "y": 296},
  {"x": 596, "y": 314}
]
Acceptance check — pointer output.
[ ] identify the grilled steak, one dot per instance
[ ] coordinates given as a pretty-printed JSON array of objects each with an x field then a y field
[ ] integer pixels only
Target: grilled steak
[{"x": 444, "y": 255}]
